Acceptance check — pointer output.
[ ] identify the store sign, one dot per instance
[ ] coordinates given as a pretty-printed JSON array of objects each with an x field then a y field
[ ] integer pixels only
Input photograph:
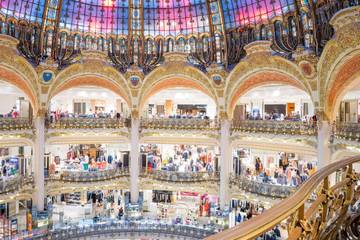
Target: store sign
[{"x": 14, "y": 226}]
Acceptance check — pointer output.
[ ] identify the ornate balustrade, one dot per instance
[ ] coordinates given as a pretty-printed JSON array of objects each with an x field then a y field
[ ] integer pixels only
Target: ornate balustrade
[
  {"x": 179, "y": 124},
  {"x": 317, "y": 210},
  {"x": 69, "y": 123},
  {"x": 15, "y": 183},
  {"x": 172, "y": 176},
  {"x": 89, "y": 176},
  {"x": 266, "y": 189},
  {"x": 11, "y": 124},
  {"x": 348, "y": 131},
  {"x": 274, "y": 127},
  {"x": 114, "y": 228}
]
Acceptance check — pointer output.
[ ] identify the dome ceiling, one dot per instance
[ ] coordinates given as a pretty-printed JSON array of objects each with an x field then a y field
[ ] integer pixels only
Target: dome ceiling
[{"x": 157, "y": 17}]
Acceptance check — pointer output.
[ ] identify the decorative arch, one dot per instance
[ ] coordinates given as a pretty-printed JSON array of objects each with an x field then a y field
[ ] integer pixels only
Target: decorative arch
[
  {"x": 90, "y": 74},
  {"x": 345, "y": 77},
  {"x": 17, "y": 71},
  {"x": 262, "y": 70},
  {"x": 338, "y": 66},
  {"x": 175, "y": 74}
]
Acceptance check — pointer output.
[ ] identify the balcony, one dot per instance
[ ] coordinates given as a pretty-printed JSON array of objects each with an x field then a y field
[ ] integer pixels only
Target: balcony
[
  {"x": 15, "y": 183},
  {"x": 15, "y": 124},
  {"x": 348, "y": 131},
  {"x": 88, "y": 123},
  {"x": 88, "y": 176},
  {"x": 179, "y": 124},
  {"x": 182, "y": 177},
  {"x": 261, "y": 188},
  {"x": 274, "y": 127},
  {"x": 111, "y": 228}
]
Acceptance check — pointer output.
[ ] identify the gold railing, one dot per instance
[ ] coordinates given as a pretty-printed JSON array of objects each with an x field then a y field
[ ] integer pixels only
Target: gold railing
[
  {"x": 348, "y": 131},
  {"x": 185, "y": 177},
  {"x": 69, "y": 123},
  {"x": 315, "y": 211},
  {"x": 10, "y": 124},
  {"x": 15, "y": 183},
  {"x": 274, "y": 127},
  {"x": 88, "y": 176},
  {"x": 179, "y": 123},
  {"x": 261, "y": 188}
]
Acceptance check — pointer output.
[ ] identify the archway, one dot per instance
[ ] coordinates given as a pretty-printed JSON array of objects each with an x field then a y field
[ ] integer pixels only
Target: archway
[
  {"x": 258, "y": 79},
  {"x": 274, "y": 102},
  {"x": 343, "y": 85},
  {"x": 180, "y": 83}
]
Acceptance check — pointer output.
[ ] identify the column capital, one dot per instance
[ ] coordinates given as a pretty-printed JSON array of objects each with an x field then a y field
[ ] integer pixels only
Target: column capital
[
  {"x": 223, "y": 116},
  {"x": 41, "y": 113},
  {"x": 135, "y": 114}
]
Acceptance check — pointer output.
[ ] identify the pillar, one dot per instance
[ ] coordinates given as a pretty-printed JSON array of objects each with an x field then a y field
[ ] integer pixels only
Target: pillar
[
  {"x": 134, "y": 159},
  {"x": 225, "y": 152},
  {"x": 38, "y": 161},
  {"x": 323, "y": 150}
]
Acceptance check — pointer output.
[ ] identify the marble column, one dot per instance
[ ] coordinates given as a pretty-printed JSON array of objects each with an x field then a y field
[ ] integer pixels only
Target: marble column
[
  {"x": 38, "y": 161},
  {"x": 225, "y": 152},
  {"x": 134, "y": 160},
  {"x": 323, "y": 149}
]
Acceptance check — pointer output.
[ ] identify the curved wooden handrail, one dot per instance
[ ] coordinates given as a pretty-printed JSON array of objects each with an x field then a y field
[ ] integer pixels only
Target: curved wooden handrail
[{"x": 273, "y": 216}]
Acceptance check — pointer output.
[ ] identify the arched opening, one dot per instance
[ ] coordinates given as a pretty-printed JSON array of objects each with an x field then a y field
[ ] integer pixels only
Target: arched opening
[
  {"x": 274, "y": 102},
  {"x": 179, "y": 102},
  {"x": 89, "y": 81},
  {"x": 173, "y": 84},
  {"x": 87, "y": 102},
  {"x": 259, "y": 79},
  {"x": 343, "y": 91},
  {"x": 16, "y": 104}
]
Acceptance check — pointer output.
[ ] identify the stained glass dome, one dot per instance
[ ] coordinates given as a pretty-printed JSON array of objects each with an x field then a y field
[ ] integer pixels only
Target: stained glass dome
[{"x": 154, "y": 17}]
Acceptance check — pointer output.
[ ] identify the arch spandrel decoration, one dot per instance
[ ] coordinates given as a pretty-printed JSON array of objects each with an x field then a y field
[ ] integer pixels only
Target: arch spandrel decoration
[
  {"x": 94, "y": 73},
  {"x": 17, "y": 71},
  {"x": 338, "y": 62},
  {"x": 262, "y": 69},
  {"x": 175, "y": 74}
]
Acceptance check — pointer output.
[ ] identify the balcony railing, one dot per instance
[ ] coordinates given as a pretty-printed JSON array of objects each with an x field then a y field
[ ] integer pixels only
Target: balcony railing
[
  {"x": 89, "y": 176},
  {"x": 261, "y": 188},
  {"x": 69, "y": 123},
  {"x": 317, "y": 210},
  {"x": 114, "y": 228},
  {"x": 10, "y": 124},
  {"x": 179, "y": 123},
  {"x": 274, "y": 127},
  {"x": 348, "y": 131},
  {"x": 172, "y": 176},
  {"x": 14, "y": 183}
]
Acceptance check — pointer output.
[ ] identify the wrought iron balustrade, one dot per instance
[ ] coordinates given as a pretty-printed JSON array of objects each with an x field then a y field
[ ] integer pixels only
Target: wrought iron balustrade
[
  {"x": 131, "y": 228},
  {"x": 261, "y": 188},
  {"x": 86, "y": 123},
  {"x": 173, "y": 176},
  {"x": 274, "y": 127},
  {"x": 11, "y": 124},
  {"x": 14, "y": 183},
  {"x": 179, "y": 123},
  {"x": 88, "y": 176},
  {"x": 319, "y": 209},
  {"x": 347, "y": 131}
]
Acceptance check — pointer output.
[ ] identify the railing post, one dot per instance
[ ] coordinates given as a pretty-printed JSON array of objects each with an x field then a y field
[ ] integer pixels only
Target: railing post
[{"x": 325, "y": 203}]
